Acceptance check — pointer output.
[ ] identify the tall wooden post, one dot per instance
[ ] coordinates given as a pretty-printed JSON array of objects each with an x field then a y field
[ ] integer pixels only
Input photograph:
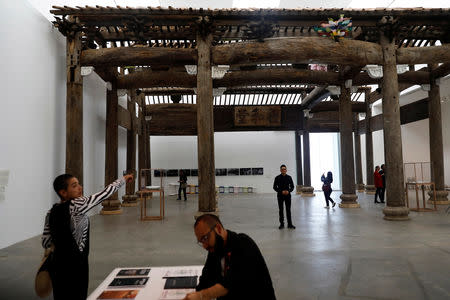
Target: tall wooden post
[
  {"x": 307, "y": 189},
  {"x": 395, "y": 189},
  {"x": 112, "y": 205},
  {"x": 74, "y": 108},
  {"x": 298, "y": 160},
  {"x": 348, "y": 195},
  {"x": 369, "y": 187},
  {"x": 205, "y": 126},
  {"x": 144, "y": 161},
  {"x": 130, "y": 198},
  {"x": 436, "y": 143},
  {"x": 358, "y": 166}
]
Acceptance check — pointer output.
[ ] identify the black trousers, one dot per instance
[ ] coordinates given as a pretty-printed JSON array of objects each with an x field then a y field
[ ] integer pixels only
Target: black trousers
[
  {"x": 378, "y": 193},
  {"x": 70, "y": 278},
  {"x": 287, "y": 201},
  {"x": 179, "y": 192},
  {"x": 327, "y": 197}
]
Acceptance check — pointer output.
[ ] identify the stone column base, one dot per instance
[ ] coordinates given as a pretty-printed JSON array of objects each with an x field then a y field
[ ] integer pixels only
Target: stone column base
[
  {"x": 370, "y": 189},
  {"x": 349, "y": 201},
  {"x": 129, "y": 200},
  {"x": 360, "y": 187},
  {"x": 298, "y": 189},
  {"x": 111, "y": 207},
  {"x": 399, "y": 213},
  {"x": 441, "y": 197},
  {"x": 308, "y": 191}
]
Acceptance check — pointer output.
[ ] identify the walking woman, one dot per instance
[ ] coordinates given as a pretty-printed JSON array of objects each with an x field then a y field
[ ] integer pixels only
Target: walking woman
[{"x": 326, "y": 188}]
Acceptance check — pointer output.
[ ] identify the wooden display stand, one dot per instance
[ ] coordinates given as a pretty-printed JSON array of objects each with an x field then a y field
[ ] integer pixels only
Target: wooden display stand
[
  {"x": 421, "y": 186},
  {"x": 146, "y": 191}
]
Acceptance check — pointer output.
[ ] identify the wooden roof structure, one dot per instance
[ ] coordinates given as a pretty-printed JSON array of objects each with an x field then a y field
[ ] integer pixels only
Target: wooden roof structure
[
  {"x": 175, "y": 28},
  {"x": 263, "y": 64}
]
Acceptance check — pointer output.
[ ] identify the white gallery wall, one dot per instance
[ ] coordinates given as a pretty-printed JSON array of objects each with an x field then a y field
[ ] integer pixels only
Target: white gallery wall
[
  {"x": 415, "y": 135},
  {"x": 251, "y": 149},
  {"x": 32, "y": 118}
]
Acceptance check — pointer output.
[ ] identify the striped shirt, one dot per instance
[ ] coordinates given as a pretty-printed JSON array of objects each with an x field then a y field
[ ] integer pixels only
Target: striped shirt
[{"x": 79, "y": 221}]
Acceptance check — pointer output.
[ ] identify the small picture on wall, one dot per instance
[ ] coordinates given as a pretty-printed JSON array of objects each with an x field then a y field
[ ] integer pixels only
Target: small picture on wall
[
  {"x": 187, "y": 172},
  {"x": 257, "y": 171},
  {"x": 245, "y": 171},
  {"x": 194, "y": 172},
  {"x": 172, "y": 173},
  {"x": 221, "y": 172},
  {"x": 233, "y": 171},
  {"x": 159, "y": 173}
]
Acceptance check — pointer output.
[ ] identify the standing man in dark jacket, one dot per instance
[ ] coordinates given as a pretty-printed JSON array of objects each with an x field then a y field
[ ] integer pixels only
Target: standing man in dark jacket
[
  {"x": 284, "y": 185},
  {"x": 235, "y": 268}
]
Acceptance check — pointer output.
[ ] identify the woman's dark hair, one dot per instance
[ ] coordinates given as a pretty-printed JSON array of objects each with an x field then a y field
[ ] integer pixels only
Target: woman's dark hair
[
  {"x": 330, "y": 176},
  {"x": 61, "y": 182}
]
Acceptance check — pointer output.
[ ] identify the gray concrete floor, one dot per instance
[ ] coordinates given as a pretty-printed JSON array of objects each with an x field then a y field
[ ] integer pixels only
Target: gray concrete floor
[{"x": 333, "y": 254}]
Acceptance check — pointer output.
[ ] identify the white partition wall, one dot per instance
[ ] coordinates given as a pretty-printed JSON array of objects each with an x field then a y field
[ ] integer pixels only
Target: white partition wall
[{"x": 266, "y": 150}]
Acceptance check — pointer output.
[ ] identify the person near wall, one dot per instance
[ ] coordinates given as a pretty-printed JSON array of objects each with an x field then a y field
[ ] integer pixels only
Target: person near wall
[
  {"x": 234, "y": 268},
  {"x": 378, "y": 183},
  {"x": 67, "y": 230},
  {"x": 383, "y": 179},
  {"x": 183, "y": 185},
  {"x": 284, "y": 185},
  {"x": 326, "y": 188}
]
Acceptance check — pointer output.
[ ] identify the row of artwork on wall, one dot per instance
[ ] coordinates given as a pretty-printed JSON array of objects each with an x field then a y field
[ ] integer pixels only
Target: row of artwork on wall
[{"x": 219, "y": 172}]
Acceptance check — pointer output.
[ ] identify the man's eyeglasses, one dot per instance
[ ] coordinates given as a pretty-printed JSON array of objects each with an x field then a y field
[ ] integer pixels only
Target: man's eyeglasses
[{"x": 204, "y": 239}]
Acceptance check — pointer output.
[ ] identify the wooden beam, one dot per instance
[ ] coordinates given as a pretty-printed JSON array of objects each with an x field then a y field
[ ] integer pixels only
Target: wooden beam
[
  {"x": 423, "y": 55},
  {"x": 441, "y": 71},
  {"x": 235, "y": 79},
  {"x": 230, "y": 91},
  {"x": 138, "y": 56},
  {"x": 107, "y": 74},
  {"x": 181, "y": 119},
  {"x": 318, "y": 94},
  {"x": 299, "y": 50}
]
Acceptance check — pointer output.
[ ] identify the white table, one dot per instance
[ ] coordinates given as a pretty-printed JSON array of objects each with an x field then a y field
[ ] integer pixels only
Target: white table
[{"x": 154, "y": 287}]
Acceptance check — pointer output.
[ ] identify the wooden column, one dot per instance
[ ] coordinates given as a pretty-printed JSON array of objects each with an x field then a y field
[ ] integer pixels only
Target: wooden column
[
  {"x": 395, "y": 189},
  {"x": 74, "y": 108},
  {"x": 307, "y": 189},
  {"x": 130, "y": 198},
  {"x": 369, "y": 187},
  {"x": 205, "y": 127},
  {"x": 298, "y": 160},
  {"x": 112, "y": 205},
  {"x": 358, "y": 166},
  {"x": 436, "y": 143},
  {"x": 348, "y": 195},
  {"x": 144, "y": 161}
]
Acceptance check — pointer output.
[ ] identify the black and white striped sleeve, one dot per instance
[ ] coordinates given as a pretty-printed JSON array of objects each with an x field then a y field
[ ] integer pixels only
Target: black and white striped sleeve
[
  {"x": 46, "y": 237},
  {"x": 83, "y": 204}
]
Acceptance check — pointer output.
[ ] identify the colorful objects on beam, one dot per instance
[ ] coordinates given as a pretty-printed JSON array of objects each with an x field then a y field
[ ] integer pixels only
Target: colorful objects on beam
[{"x": 335, "y": 29}]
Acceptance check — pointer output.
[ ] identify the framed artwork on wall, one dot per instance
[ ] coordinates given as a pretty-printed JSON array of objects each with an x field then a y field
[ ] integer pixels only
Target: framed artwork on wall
[
  {"x": 245, "y": 171},
  {"x": 172, "y": 173},
  {"x": 187, "y": 172},
  {"x": 233, "y": 171},
  {"x": 194, "y": 172},
  {"x": 221, "y": 172},
  {"x": 257, "y": 171}
]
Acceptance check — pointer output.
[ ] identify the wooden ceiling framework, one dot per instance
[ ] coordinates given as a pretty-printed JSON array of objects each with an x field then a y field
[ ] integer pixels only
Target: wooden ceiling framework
[{"x": 269, "y": 52}]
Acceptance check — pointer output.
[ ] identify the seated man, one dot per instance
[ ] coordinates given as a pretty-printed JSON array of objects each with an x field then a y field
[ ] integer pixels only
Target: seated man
[{"x": 234, "y": 268}]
